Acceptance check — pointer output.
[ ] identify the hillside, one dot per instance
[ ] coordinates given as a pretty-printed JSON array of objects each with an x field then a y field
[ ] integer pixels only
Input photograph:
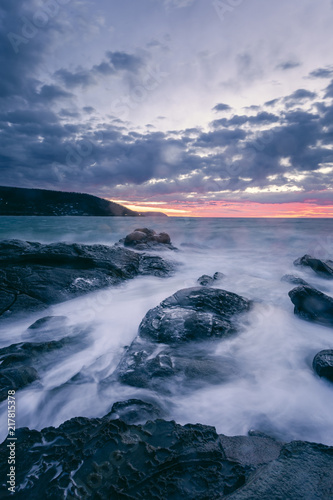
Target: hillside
[{"x": 21, "y": 201}]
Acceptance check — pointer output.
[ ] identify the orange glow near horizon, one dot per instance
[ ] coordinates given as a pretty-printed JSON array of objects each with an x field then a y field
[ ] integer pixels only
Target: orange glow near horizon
[{"x": 244, "y": 209}]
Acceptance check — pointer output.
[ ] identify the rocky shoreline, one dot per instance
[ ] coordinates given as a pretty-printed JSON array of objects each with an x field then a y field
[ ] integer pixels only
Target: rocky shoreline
[{"x": 134, "y": 452}]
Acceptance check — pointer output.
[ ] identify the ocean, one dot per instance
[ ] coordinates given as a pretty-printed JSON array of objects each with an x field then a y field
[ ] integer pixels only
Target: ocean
[{"x": 274, "y": 388}]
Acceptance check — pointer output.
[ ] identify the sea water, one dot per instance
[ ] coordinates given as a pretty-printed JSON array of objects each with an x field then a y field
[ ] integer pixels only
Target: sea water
[{"x": 274, "y": 389}]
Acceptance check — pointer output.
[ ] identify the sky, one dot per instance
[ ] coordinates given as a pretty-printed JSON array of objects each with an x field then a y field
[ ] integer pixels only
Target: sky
[{"x": 205, "y": 108}]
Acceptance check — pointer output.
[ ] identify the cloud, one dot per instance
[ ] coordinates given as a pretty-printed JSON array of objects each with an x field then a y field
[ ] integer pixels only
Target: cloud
[
  {"x": 79, "y": 78},
  {"x": 53, "y": 92},
  {"x": 287, "y": 65},
  {"x": 123, "y": 61},
  {"x": 329, "y": 90},
  {"x": 326, "y": 72},
  {"x": 222, "y": 107}
]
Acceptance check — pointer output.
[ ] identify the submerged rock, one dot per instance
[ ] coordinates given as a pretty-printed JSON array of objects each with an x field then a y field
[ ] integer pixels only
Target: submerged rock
[
  {"x": 148, "y": 239},
  {"x": 165, "y": 370},
  {"x": 48, "y": 322},
  {"x": 106, "y": 459},
  {"x": 294, "y": 280},
  {"x": 323, "y": 364},
  {"x": 323, "y": 268},
  {"x": 35, "y": 276},
  {"x": 206, "y": 280},
  {"x": 19, "y": 362},
  {"x": 15, "y": 379},
  {"x": 135, "y": 411},
  {"x": 312, "y": 305},
  {"x": 193, "y": 314}
]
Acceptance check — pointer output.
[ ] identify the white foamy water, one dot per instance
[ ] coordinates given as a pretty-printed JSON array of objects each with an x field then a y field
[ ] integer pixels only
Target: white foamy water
[{"x": 274, "y": 389}]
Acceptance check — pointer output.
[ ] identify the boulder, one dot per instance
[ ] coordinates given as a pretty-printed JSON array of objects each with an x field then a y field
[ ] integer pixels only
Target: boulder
[
  {"x": 193, "y": 314},
  {"x": 103, "y": 458},
  {"x": 147, "y": 239},
  {"x": 323, "y": 268},
  {"x": 135, "y": 411},
  {"x": 34, "y": 276},
  {"x": 145, "y": 365},
  {"x": 323, "y": 364},
  {"x": 312, "y": 305},
  {"x": 206, "y": 280}
]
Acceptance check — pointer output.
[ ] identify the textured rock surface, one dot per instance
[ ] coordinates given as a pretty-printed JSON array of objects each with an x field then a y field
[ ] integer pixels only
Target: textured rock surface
[
  {"x": 34, "y": 275},
  {"x": 187, "y": 321},
  {"x": 145, "y": 365},
  {"x": 323, "y": 364},
  {"x": 312, "y": 305},
  {"x": 148, "y": 239},
  {"x": 323, "y": 268},
  {"x": 19, "y": 363},
  {"x": 206, "y": 280},
  {"x": 106, "y": 459},
  {"x": 193, "y": 314}
]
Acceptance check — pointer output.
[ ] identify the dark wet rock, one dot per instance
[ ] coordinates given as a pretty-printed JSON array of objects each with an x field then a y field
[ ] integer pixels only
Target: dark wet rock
[
  {"x": 18, "y": 363},
  {"x": 193, "y": 314},
  {"x": 147, "y": 239},
  {"x": 145, "y": 366},
  {"x": 252, "y": 450},
  {"x": 323, "y": 268},
  {"x": 34, "y": 275},
  {"x": 323, "y": 364},
  {"x": 206, "y": 280},
  {"x": 106, "y": 459},
  {"x": 16, "y": 378},
  {"x": 302, "y": 471},
  {"x": 312, "y": 305},
  {"x": 135, "y": 411},
  {"x": 48, "y": 322},
  {"x": 294, "y": 280}
]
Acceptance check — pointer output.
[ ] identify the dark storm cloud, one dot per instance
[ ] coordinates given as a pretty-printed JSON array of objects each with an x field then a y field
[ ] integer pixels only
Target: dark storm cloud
[
  {"x": 117, "y": 62},
  {"x": 259, "y": 119},
  {"x": 52, "y": 92},
  {"x": 44, "y": 147}
]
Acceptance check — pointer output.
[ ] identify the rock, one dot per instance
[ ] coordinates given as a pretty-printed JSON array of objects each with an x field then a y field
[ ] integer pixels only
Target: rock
[
  {"x": 302, "y": 471},
  {"x": 147, "y": 239},
  {"x": 135, "y": 411},
  {"x": 146, "y": 366},
  {"x": 323, "y": 364},
  {"x": 312, "y": 305},
  {"x": 251, "y": 450},
  {"x": 193, "y": 314},
  {"x": 323, "y": 268},
  {"x": 48, "y": 322},
  {"x": 16, "y": 378},
  {"x": 35, "y": 276},
  {"x": 206, "y": 280},
  {"x": 106, "y": 459},
  {"x": 18, "y": 363},
  {"x": 294, "y": 280}
]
